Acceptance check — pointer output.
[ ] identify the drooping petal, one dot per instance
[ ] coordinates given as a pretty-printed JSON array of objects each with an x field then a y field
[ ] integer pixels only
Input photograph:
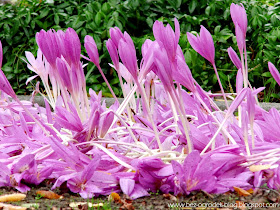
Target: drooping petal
[
  {"x": 127, "y": 186},
  {"x": 274, "y": 72},
  {"x": 234, "y": 58}
]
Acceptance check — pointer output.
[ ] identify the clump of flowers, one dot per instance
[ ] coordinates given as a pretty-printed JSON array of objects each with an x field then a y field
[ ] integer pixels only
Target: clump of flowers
[{"x": 168, "y": 134}]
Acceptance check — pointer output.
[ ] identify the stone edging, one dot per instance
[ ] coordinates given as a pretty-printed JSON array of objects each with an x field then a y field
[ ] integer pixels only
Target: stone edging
[{"x": 40, "y": 101}]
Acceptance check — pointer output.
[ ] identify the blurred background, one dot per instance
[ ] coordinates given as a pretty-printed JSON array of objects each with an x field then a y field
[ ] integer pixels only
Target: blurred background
[{"x": 20, "y": 20}]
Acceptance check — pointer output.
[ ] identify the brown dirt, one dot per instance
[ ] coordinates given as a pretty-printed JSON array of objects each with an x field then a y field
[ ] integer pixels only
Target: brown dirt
[{"x": 155, "y": 201}]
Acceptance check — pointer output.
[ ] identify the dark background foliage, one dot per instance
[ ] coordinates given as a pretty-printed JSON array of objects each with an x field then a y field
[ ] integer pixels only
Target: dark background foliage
[{"x": 20, "y": 22}]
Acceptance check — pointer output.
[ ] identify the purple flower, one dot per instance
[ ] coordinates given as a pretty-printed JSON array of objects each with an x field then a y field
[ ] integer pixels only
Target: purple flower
[
  {"x": 166, "y": 37},
  {"x": 72, "y": 46},
  {"x": 203, "y": 44},
  {"x": 195, "y": 174},
  {"x": 5, "y": 86},
  {"x": 128, "y": 55},
  {"x": 183, "y": 74},
  {"x": 113, "y": 51},
  {"x": 234, "y": 58},
  {"x": 274, "y": 72},
  {"x": 48, "y": 43},
  {"x": 239, "y": 81},
  {"x": 116, "y": 35},
  {"x": 162, "y": 67},
  {"x": 239, "y": 18},
  {"x": 81, "y": 182},
  {"x": 92, "y": 50},
  {"x": 64, "y": 74}
]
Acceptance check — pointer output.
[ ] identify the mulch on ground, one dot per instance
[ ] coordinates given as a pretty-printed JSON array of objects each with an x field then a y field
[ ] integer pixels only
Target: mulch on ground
[{"x": 195, "y": 200}]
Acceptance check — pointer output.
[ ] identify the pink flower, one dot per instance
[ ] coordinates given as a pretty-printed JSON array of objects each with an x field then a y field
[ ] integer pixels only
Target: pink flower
[
  {"x": 113, "y": 51},
  {"x": 203, "y": 44},
  {"x": 72, "y": 45},
  {"x": 166, "y": 37},
  {"x": 91, "y": 48},
  {"x": 194, "y": 174},
  {"x": 239, "y": 18},
  {"x": 274, "y": 72},
  {"x": 5, "y": 86},
  {"x": 48, "y": 43},
  {"x": 234, "y": 58},
  {"x": 128, "y": 55}
]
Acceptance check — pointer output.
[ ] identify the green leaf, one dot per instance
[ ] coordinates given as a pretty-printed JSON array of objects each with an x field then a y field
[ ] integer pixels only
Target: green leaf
[
  {"x": 150, "y": 22},
  {"x": 110, "y": 23},
  {"x": 39, "y": 23},
  {"x": 119, "y": 24},
  {"x": 27, "y": 18},
  {"x": 266, "y": 74},
  {"x": 56, "y": 19},
  {"x": 106, "y": 8},
  {"x": 192, "y": 6},
  {"x": 44, "y": 13},
  {"x": 114, "y": 3},
  {"x": 97, "y": 18},
  {"x": 208, "y": 10},
  {"x": 62, "y": 6}
]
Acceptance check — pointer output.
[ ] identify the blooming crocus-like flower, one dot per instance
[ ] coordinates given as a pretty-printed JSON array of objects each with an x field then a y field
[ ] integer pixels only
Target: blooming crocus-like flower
[
  {"x": 128, "y": 55},
  {"x": 81, "y": 182},
  {"x": 195, "y": 174},
  {"x": 72, "y": 45},
  {"x": 239, "y": 18},
  {"x": 91, "y": 48},
  {"x": 203, "y": 44},
  {"x": 116, "y": 35},
  {"x": 113, "y": 51},
  {"x": 166, "y": 37},
  {"x": 162, "y": 67},
  {"x": 48, "y": 43}
]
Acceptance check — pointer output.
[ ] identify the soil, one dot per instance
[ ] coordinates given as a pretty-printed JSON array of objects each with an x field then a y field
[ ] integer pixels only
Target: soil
[{"x": 155, "y": 201}]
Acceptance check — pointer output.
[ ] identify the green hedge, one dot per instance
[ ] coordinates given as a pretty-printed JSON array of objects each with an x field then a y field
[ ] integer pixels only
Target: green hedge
[{"x": 19, "y": 24}]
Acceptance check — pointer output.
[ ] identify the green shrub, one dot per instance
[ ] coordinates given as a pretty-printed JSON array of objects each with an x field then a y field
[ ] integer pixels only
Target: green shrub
[{"x": 19, "y": 24}]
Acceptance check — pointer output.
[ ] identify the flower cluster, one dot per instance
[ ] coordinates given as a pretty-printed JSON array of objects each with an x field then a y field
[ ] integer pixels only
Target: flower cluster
[{"x": 167, "y": 134}]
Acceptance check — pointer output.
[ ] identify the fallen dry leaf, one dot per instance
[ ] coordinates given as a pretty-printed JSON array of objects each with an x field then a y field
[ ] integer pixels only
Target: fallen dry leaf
[
  {"x": 12, "y": 197},
  {"x": 114, "y": 197},
  {"x": 255, "y": 168},
  {"x": 170, "y": 197},
  {"x": 241, "y": 192},
  {"x": 251, "y": 191},
  {"x": 127, "y": 206},
  {"x": 48, "y": 194},
  {"x": 11, "y": 207}
]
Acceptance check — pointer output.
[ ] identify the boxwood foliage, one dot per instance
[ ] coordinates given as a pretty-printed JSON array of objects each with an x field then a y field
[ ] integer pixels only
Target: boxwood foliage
[{"x": 20, "y": 22}]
